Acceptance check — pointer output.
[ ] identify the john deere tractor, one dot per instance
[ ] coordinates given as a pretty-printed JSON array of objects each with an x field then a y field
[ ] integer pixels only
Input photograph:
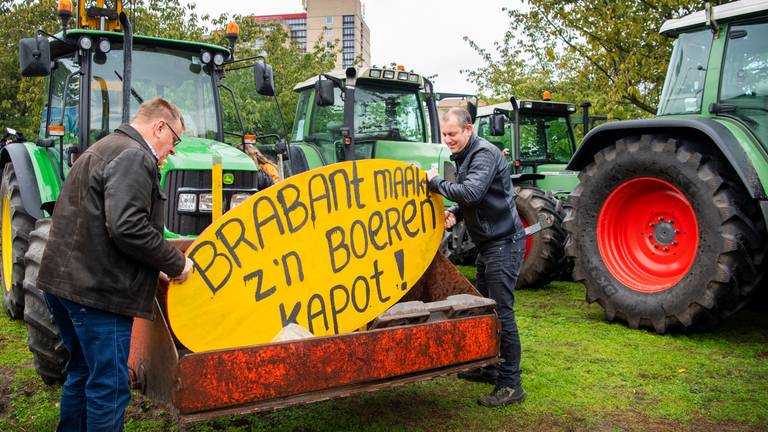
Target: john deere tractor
[
  {"x": 98, "y": 74},
  {"x": 669, "y": 225},
  {"x": 539, "y": 138}
]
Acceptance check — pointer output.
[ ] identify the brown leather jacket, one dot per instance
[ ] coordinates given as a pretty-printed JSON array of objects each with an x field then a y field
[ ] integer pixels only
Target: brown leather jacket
[{"x": 106, "y": 243}]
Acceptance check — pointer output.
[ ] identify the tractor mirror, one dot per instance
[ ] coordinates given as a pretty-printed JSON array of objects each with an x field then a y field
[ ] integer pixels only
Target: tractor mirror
[
  {"x": 265, "y": 81},
  {"x": 34, "y": 57},
  {"x": 324, "y": 92},
  {"x": 472, "y": 110},
  {"x": 497, "y": 124}
]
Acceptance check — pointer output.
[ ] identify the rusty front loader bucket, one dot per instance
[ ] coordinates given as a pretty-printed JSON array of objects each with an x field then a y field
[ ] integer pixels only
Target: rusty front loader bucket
[{"x": 444, "y": 327}]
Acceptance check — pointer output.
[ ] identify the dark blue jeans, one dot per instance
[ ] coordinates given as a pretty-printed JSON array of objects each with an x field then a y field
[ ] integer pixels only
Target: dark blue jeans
[
  {"x": 96, "y": 391},
  {"x": 498, "y": 266}
]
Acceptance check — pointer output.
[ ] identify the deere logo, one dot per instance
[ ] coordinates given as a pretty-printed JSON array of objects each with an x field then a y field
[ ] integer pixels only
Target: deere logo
[{"x": 229, "y": 178}]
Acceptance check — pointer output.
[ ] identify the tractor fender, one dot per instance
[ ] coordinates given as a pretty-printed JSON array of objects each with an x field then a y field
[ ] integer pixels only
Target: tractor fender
[
  {"x": 17, "y": 154},
  {"x": 701, "y": 129}
]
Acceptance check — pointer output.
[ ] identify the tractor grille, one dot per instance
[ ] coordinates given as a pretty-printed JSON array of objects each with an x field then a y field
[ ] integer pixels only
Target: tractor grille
[{"x": 195, "y": 223}]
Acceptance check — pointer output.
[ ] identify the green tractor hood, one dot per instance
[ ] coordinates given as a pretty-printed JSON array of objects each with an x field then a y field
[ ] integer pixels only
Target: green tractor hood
[{"x": 196, "y": 154}]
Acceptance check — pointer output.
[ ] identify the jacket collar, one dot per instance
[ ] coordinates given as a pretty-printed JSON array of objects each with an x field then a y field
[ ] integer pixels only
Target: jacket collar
[
  {"x": 133, "y": 134},
  {"x": 459, "y": 157}
]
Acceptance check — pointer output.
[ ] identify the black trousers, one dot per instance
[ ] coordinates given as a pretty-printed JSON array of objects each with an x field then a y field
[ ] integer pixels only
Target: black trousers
[{"x": 498, "y": 266}]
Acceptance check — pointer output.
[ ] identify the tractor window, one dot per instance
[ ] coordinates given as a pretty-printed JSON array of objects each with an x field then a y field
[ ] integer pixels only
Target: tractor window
[
  {"x": 388, "y": 114},
  {"x": 484, "y": 131},
  {"x": 56, "y": 113},
  {"x": 175, "y": 75},
  {"x": 684, "y": 85},
  {"x": 301, "y": 116},
  {"x": 546, "y": 138},
  {"x": 745, "y": 76}
]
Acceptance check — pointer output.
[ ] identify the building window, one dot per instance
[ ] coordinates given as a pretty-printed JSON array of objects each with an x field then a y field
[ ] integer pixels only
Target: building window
[
  {"x": 349, "y": 19},
  {"x": 349, "y": 32},
  {"x": 329, "y": 33},
  {"x": 348, "y": 43},
  {"x": 329, "y": 20}
]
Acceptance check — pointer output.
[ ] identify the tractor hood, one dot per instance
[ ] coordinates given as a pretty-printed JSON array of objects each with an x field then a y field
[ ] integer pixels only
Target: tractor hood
[{"x": 196, "y": 154}]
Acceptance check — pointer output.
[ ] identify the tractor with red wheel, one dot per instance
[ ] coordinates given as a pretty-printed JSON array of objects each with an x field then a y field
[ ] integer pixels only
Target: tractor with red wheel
[{"x": 669, "y": 224}]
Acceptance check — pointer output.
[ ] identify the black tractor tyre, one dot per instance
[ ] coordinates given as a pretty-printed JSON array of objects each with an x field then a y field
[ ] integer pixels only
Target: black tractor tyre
[
  {"x": 21, "y": 224},
  {"x": 727, "y": 259},
  {"x": 544, "y": 260},
  {"x": 566, "y": 208},
  {"x": 43, "y": 337}
]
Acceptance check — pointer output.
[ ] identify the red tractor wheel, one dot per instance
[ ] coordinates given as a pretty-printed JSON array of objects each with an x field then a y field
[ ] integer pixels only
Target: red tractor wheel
[{"x": 663, "y": 234}]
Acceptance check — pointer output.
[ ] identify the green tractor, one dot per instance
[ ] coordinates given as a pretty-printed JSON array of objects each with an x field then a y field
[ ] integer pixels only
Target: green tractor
[
  {"x": 97, "y": 77},
  {"x": 669, "y": 224},
  {"x": 539, "y": 138}
]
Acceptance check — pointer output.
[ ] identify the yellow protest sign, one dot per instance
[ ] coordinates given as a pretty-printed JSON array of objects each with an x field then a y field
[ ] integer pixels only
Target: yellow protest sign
[{"x": 329, "y": 249}]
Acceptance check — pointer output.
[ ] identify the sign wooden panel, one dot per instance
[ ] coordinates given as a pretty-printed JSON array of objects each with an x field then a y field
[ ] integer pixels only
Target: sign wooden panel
[{"x": 329, "y": 249}]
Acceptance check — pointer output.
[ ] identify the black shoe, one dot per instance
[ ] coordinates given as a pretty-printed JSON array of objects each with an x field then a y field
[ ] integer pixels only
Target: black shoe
[
  {"x": 503, "y": 396},
  {"x": 483, "y": 375}
]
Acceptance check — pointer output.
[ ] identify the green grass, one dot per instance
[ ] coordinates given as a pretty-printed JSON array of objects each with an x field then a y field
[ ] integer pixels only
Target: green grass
[{"x": 579, "y": 373}]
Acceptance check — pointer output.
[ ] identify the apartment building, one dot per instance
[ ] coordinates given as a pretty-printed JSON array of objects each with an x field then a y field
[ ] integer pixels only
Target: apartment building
[{"x": 334, "y": 21}]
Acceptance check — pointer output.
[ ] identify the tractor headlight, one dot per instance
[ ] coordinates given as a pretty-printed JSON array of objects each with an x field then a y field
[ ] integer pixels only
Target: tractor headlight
[
  {"x": 206, "y": 57},
  {"x": 218, "y": 59},
  {"x": 187, "y": 202},
  {"x": 403, "y": 76},
  {"x": 104, "y": 45},
  {"x": 206, "y": 203},
  {"x": 389, "y": 74},
  {"x": 85, "y": 43},
  {"x": 238, "y": 199},
  {"x": 374, "y": 73}
]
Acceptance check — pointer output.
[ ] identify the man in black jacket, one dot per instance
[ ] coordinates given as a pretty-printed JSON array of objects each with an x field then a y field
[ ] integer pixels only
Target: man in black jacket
[
  {"x": 486, "y": 202},
  {"x": 102, "y": 259}
]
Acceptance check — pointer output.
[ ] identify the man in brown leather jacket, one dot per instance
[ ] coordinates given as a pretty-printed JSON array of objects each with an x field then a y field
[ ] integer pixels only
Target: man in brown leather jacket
[{"x": 102, "y": 260}]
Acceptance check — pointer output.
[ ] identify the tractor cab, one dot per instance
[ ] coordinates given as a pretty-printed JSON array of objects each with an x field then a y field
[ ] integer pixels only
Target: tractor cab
[
  {"x": 367, "y": 113},
  {"x": 538, "y": 138}
]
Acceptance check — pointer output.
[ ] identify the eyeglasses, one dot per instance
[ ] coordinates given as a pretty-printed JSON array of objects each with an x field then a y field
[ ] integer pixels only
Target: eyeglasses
[{"x": 177, "y": 139}]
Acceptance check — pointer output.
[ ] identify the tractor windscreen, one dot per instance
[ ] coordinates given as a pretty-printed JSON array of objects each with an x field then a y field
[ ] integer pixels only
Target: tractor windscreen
[
  {"x": 684, "y": 85},
  {"x": 546, "y": 138},
  {"x": 175, "y": 75},
  {"x": 381, "y": 113},
  {"x": 745, "y": 76}
]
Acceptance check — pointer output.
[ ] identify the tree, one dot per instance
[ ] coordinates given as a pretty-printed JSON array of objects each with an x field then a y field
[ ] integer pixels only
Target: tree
[{"x": 607, "y": 52}]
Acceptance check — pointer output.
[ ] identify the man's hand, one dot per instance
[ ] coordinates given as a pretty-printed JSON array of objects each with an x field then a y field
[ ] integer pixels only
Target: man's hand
[
  {"x": 450, "y": 220},
  {"x": 185, "y": 273},
  {"x": 432, "y": 174},
  {"x": 505, "y": 152}
]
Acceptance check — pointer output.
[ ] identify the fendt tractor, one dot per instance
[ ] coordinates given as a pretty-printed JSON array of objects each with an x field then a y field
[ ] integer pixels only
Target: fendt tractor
[
  {"x": 669, "y": 224},
  {"x": 98, "y": 74},
  {"x": 539, "y": 138}
]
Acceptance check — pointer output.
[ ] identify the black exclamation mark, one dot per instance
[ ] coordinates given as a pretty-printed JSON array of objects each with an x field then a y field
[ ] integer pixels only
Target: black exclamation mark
[{"x": 400, "y": 260}]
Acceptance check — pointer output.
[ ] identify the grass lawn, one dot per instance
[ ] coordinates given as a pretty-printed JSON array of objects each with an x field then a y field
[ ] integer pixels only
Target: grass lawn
[{"x": 579, "y": 373}]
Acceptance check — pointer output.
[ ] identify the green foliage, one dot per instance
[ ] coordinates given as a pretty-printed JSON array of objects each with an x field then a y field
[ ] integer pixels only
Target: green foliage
[
  {"x": 607, "y": 52},
  {"x": 290, "y": 65}
]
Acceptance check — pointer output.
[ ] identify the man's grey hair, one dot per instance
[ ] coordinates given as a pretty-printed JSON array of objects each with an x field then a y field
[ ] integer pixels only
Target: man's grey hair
[{"x": 460, "y": 114}]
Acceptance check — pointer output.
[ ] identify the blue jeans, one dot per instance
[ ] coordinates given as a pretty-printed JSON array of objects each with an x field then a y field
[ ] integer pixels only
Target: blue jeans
[
  {"x": 498, "y": 266},
  {"x": 96, "y": 390}
]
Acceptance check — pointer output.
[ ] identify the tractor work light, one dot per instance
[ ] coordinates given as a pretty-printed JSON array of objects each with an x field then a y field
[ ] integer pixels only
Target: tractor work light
[
  {"x": 527, "y": 104},
  {"x": 238, "y": 199},
  {"x": 206, "y": 202},
  {"x": 104, "y": 46},
  {"x": 218, "y": 59},
  {"x": 389, "y": 74},
  {"x": 374, "y": 73},
  {"x": 187, "y": 202},
  {"x": 206, "y": 57},
  {"x": 571, "y": 108},
  {"x": 413, "y": 78},
  {"x": 402, "y": 76},
  {"x": 85, "y": 43}
]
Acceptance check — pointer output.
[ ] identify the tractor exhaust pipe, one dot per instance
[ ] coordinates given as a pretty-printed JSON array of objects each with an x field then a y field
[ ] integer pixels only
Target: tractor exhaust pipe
[{"x": 127, "y": 50}]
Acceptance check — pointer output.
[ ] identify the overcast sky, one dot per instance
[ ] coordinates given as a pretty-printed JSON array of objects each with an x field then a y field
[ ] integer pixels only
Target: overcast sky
[{"x": 423, "y": 35}]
